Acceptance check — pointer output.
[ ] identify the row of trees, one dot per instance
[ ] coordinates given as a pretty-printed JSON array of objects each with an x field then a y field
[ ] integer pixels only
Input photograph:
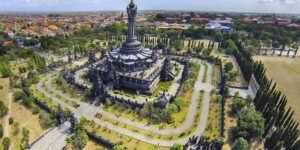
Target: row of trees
[
  {"x": 274, "y": 34},
  {"x": 270, "y": 102},
  {"x": 280, "y": 126}
]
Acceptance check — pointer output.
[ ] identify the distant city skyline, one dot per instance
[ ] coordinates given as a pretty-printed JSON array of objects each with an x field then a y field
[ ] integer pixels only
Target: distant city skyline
[{"x": 255, "y": 6}]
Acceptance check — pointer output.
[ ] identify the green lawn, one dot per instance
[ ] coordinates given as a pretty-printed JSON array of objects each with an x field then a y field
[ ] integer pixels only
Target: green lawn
[
  {"x": 213, "y": 120},
  {"x": 161, "y": 86},
  {"x": 285, "y": 72},
  {"x": 216, "y": 79},
  {"x": 69, "y": 90},
  {"x": 115, "y": 137}
]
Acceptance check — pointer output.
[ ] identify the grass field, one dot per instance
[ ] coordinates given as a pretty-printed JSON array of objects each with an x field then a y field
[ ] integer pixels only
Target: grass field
[
  {"x": 4, "y": 89},
  {"x": 230, "y": 123},
  {"x": 26, "y": 119},
  {"x": 213, "y": 121},
  {"x": 286, "y": 72},
  {"x": 115, "y": 137},
  {"x": 91, "y": 145}
]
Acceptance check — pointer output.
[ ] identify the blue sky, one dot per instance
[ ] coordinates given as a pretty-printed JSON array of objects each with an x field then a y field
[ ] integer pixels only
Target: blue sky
[{"x": 270, "y": 6}]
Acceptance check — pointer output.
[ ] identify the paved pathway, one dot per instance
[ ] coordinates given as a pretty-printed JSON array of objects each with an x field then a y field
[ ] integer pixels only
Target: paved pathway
[
  {"x": 176, "y": 84},
  {"x": 78, "y": 77},
  {"x": 92, "y": 110},
  {"x": 89, "y": 111},
  {"x": 242, "y": 92},
  {"x": 53, "y": 139},
  {"x": 6, "y": 128}
]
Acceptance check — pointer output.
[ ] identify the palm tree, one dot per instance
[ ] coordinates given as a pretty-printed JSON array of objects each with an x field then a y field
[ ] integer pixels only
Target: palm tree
[
  {"x": 284, "y": 41},
  {"x": 268, "y": 44},
  {"x": 296, "y": 47}
]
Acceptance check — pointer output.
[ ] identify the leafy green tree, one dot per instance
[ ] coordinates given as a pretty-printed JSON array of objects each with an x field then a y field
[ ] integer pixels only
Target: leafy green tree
[
  {"x": 249, "y": 125},
  {"x": 173, "y": 108},
  {"x": 240, "y": 144},
  {"x": 176, "y": 147},
  {"x": 5, "y": 71},
  {"x": 19, "y": 95},
  {"x": 156, "y": 115},
  {"x": 249, "y": 100},
  {"x": 237, "y": 105},
  {"x": 80, "y": 138},
  {"x": 232, "y": 75},
  {"x": 25, "y": 139},
  {"x": 3, "y": 109},
  {"x": 284, "y": 41},
  {"x": 16, "y": 128},
  {"x": 1, "y": 131},
  {"x": 178, "y": 45},
  {"x": 207, "y": 52},
  {"x": 116, "y": 28},
  {"x": 180, "y": 102},
  {"x": 198, "y": 49},
  {"x": 6, "y": 143},
  {"x": 160, "y": 17},
  {"x": 228, "y": 66},
  {"x": 10, "y": 120},
  {"x": 118, "y": 147},
  {"x": 45, "y": 120},
  {"x": 28, "y": 101},
  {"x": 230, "y": 47}
]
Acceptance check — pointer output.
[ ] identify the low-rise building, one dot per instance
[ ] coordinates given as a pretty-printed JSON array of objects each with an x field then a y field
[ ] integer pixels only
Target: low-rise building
[
  {"x": 218, "y": 26},
  {"x": 10, "y": 33}
]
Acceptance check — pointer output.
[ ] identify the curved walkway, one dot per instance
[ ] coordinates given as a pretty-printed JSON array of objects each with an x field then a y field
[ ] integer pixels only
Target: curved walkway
[{"x": 89, "y": 111}]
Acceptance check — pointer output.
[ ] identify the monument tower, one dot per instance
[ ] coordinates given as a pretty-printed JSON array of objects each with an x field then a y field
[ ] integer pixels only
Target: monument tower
[{"x": 132, "y": 66}]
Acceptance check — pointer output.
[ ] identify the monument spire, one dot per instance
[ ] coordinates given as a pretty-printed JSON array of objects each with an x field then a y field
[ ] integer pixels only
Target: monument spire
[
  {"x": 131, "y": 45},
  {"x": 132, "y": 12}
]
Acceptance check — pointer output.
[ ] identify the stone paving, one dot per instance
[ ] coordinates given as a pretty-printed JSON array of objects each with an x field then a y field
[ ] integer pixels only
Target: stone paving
[
  {"x": 89, "y": 111},
  {"x": 53, "y": 139},
  {"x": 242, "y": 92}
]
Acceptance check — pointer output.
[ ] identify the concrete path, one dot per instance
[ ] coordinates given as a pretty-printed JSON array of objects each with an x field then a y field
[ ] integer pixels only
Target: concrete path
[
  {"x": 176, "y": 84},
  {"x": 92, "y": 110},
  {"x": 53, "y": 139},
  {"x": 78, "y": 77},
  {"x": 89, "y": 111},
  {"x": 242, "y": 92},
  {"x": 6, "y": 127}
]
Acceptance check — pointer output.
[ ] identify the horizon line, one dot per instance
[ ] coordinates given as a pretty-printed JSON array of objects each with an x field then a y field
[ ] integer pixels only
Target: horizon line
[{"x": 121, "y": 10}]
